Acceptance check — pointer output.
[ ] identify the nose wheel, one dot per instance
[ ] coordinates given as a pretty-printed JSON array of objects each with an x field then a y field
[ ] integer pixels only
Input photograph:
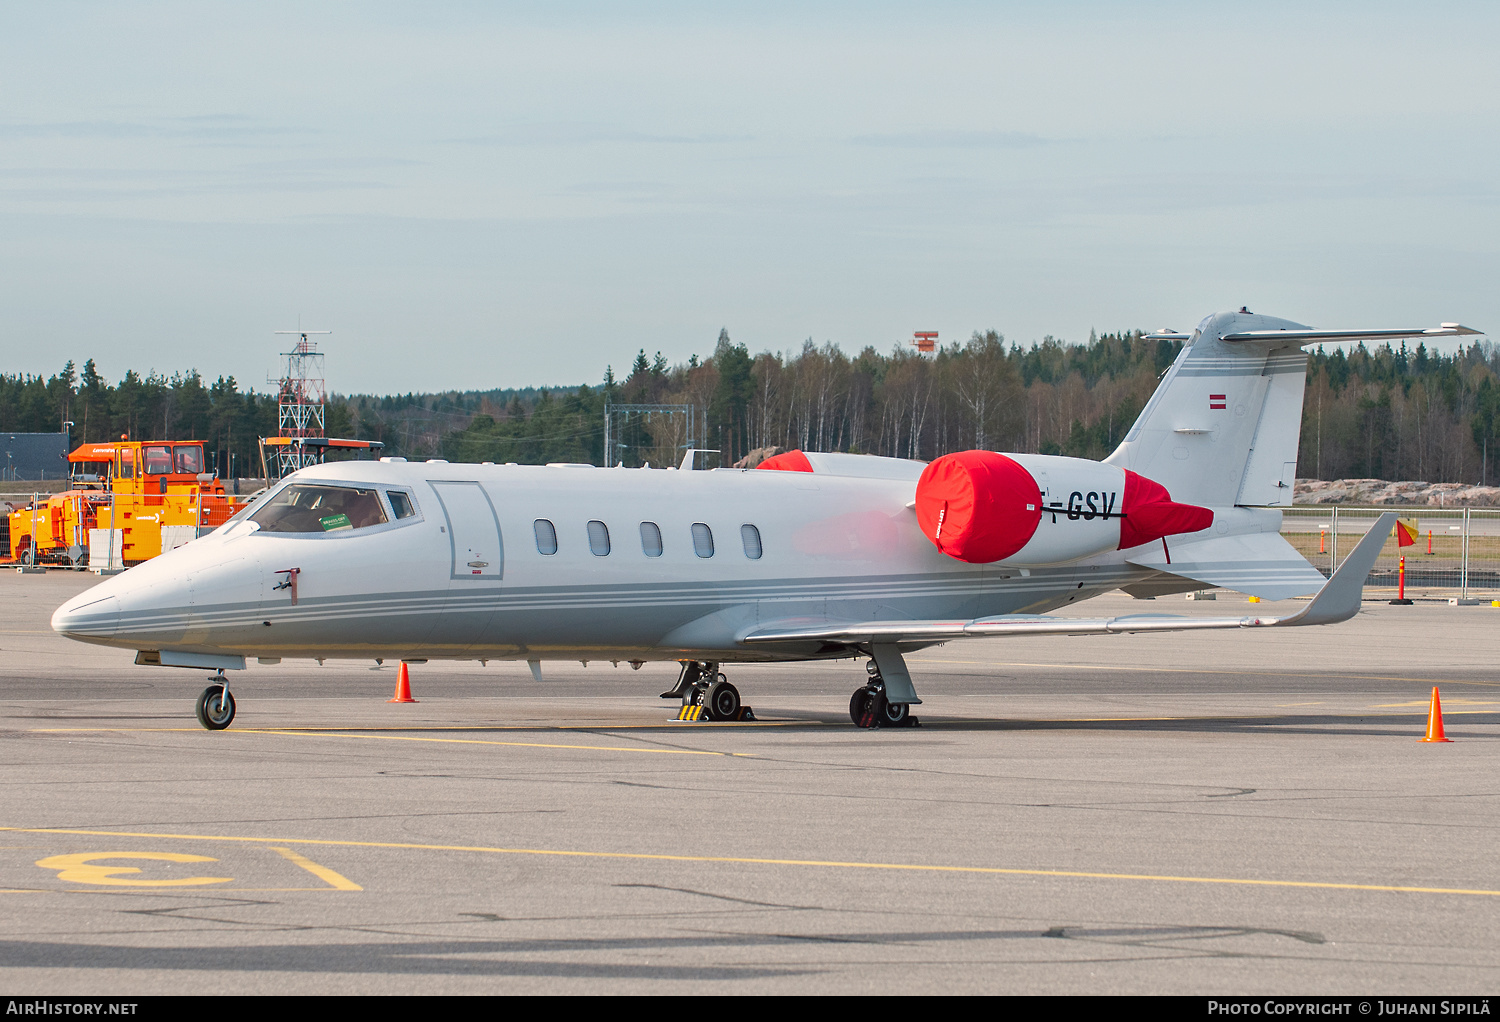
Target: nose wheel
[
  {"x": 706, "y": 694},
  {"x": 723, "y": 701},
  {"x": 216, "y": 706}
]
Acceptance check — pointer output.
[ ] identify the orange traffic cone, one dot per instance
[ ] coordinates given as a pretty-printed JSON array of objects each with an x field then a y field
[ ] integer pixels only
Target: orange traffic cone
[
  {"x": 1435, "y": 720},
  {"x": 403, "y": 687}
]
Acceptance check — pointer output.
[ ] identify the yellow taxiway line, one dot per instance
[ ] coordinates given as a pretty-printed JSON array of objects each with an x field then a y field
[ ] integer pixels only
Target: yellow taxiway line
[
  {"x": 749, "y": 861},
  {"x": 337, "y": 881}
]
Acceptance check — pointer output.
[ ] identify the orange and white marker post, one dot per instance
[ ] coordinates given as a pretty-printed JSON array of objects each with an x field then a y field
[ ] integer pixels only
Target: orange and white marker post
[
  {"x": 1435, "y": 720},
  {"x": 1401, "y": 584}
]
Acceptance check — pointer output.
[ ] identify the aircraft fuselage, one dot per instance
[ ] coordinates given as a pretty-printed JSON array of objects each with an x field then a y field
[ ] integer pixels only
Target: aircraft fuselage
[{"x": 467, "y": 575}]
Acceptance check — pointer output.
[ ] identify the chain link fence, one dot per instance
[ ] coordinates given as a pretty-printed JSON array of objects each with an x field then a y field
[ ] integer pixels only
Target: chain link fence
[{"x": 1457, "y": 553}]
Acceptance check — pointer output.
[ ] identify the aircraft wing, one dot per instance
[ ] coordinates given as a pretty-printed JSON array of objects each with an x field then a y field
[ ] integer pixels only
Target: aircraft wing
[{"x": 1338, "y": 600}]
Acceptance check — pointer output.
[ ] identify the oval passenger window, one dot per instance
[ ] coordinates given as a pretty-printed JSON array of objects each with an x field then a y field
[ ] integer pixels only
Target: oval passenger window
[
  {"x": 650, "y": 539},
  {"x": 750, "y": 536},
  {"x": 546, "y": 536},
  {"x": 703, "y": 540},
  {"x": 599, "y": 538}
]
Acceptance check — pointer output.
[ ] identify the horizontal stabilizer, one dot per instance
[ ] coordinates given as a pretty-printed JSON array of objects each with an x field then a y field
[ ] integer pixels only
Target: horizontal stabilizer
[
  {"x": 1338, "y": 600},
  {"x": 1256, "y": 564},
  {"x": 1280, "y": 338}
]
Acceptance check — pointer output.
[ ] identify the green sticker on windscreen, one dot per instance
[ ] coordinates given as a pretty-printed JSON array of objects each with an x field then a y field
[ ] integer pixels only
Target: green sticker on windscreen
[{"x": 333, "y": 522}]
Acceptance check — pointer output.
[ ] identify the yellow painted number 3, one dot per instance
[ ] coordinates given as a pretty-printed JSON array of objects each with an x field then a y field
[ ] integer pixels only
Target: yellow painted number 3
[{"x": 84, "y": 868}]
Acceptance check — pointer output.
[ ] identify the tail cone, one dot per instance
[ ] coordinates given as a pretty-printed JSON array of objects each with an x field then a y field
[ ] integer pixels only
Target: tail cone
[
  {"x": 1435, "y": 720},
  {"x": 403, "y": 687}
]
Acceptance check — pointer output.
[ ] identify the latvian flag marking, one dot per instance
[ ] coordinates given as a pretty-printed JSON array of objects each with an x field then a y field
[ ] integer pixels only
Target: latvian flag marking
[{"x": 1217, "y": 400}]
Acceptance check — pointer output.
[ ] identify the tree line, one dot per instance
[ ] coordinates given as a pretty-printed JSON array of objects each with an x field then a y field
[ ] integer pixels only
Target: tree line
[{"x": 1387, "y": 412}]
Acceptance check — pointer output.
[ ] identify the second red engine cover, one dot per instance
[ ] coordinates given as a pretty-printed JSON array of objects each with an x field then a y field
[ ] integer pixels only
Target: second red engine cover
[{"x": 978, "y": 506}]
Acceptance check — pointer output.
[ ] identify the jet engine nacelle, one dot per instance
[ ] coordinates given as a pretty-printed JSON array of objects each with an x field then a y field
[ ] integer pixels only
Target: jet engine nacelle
[{"x": 1036, "y": 509}]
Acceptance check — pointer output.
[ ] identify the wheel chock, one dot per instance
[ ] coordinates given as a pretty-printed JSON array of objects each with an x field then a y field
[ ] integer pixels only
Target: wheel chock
[{"x": 696, "y": 713}]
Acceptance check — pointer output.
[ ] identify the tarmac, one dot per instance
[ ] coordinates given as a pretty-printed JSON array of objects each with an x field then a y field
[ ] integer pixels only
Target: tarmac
[{"x": 1226, "y": 812}]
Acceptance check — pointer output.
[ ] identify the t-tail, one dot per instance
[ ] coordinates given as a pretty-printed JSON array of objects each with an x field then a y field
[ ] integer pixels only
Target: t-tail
[{"x": 1222, "y": 431}]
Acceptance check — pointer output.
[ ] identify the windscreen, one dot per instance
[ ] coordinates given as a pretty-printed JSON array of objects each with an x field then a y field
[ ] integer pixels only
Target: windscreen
[
  {"x": 310, "y": 507},
  {"x": 189, "y": 459},
  {"x": 158, "y": 461}
]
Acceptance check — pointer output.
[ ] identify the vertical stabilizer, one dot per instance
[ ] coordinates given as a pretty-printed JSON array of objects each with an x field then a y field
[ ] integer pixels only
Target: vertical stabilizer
[{"x": 1223, "y": 426}]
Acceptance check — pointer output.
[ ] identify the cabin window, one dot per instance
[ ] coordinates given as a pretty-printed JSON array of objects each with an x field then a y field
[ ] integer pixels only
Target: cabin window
[
  {"x": 599, "y": 538},
  {"x": 127, "y": 463},
  {"x": 158, "y": 461},
  {"x": 401, "y": 504},
  {"x": 546, "y": 536},
  {"x": 703, "y": 540},
  {"x": 750, "y": 536},
  {"x": 650, "y": 539},
  {"x": 189, "y": 459},
  {"x": 304, "y": 507}
]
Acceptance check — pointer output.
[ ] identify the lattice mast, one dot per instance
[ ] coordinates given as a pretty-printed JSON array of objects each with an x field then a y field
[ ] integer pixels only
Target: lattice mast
[{"x": 301, "y": 401}]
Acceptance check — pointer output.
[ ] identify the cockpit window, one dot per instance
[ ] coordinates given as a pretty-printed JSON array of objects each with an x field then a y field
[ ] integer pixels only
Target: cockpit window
[
  {"x": 401, "y": 503},
  {"x": 306, "y": 507}
]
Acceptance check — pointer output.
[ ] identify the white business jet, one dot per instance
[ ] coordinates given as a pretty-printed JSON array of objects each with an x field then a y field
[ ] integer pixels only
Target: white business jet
[{"x": 808, "y": 557}]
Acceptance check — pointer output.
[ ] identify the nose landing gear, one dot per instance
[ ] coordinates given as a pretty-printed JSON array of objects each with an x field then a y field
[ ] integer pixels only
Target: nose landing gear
[
  {"x": 216, "y": 706},
  {"x": 706, "y": 694}
]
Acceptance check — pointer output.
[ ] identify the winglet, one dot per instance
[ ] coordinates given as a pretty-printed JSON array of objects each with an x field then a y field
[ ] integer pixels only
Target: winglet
[{"x": 1339, "y": 598}]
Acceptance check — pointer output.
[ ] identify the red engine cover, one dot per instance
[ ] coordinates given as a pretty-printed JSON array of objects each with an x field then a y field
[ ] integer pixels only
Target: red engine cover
[
  {"x": 978, "y": 506},
  {"x": 789, "y": 461},
  {"x": 1151, "y": 513}
]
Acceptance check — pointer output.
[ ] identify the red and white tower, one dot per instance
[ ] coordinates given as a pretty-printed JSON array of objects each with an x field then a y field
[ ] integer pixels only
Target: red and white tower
[{"x": 301, "y": 399}]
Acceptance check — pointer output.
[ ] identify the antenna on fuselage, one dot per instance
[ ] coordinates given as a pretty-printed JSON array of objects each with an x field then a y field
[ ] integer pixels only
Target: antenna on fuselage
[{"x": 687, "y": 458}]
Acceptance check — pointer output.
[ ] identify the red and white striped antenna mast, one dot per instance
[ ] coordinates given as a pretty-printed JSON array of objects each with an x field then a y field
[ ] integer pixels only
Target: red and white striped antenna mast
[
  {"x": 301, "y": 400},
  {"x": 925, "y": 341}
]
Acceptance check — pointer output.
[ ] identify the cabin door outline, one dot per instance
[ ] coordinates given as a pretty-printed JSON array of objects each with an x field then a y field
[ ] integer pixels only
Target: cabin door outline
[{"x": 474, "y": 538}]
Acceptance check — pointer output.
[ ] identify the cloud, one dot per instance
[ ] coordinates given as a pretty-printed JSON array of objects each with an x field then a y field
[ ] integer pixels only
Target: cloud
[
  {"x": 939, "y": 138},
  {"x": 206, "y": 127},
  {"x": 563, "y": 133}
]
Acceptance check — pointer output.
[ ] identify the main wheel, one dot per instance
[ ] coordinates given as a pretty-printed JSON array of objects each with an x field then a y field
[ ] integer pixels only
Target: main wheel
[
  {"x": 723, "y": 702},
  {"x": 893, "y": 714},
  {"x": 863, "y": 705},
  {"x": 215, "y": 708}
]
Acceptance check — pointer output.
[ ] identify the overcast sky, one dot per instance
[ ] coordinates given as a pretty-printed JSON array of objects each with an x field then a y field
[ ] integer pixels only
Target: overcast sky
[{"x": 486, "y": 194}]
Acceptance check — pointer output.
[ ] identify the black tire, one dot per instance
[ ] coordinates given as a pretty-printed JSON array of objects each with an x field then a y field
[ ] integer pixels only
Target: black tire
[
  {"x": 215, "y": 708},
  {"x": 864, "y": 706},
  {"x": 722, "y": 702},
  {"x": 893, "y": 714}
]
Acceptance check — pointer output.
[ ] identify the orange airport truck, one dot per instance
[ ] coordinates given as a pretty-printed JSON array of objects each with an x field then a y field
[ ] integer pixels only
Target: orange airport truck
[
  {"x": 133, "y": 499},
  {"x": 128, "y": 502}
]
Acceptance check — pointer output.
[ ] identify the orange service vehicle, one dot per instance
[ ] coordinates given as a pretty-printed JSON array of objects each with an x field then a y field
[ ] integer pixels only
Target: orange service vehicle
[{"x": 127, "y": 502}]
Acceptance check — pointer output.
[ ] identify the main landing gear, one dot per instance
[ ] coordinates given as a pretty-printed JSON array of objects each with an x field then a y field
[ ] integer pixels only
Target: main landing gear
[
  {"x": 216, "y": 705},
  {"x": 706, "y": 694},
  {"x": 888, "y": 698}
]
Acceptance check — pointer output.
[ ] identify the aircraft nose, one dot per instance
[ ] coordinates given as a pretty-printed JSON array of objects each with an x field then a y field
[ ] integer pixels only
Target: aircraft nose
[{"x": 88, "y": 616}]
